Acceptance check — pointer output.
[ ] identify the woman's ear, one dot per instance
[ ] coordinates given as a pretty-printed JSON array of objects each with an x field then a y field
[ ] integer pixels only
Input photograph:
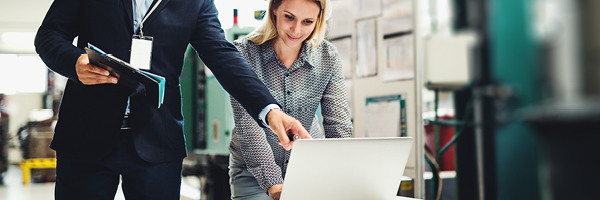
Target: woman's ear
[{"x": 274, "y": 14}]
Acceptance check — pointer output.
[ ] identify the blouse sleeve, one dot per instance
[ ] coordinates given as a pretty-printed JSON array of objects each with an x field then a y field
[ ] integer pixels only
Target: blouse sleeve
[
  {"x": 334, "y": 104},
  {"x": 254, "y": 147}
]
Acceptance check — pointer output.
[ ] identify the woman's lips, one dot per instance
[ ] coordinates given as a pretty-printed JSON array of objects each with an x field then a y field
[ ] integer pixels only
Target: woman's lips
[{"x": 293, "y": 38}]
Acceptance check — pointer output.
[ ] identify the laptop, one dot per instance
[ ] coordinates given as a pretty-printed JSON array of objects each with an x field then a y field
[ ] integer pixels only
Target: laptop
[{"x": 350, "y": 168}]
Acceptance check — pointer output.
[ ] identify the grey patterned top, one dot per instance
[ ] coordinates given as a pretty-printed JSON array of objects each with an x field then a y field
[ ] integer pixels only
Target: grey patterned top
[{"x": 315, "y": 77}]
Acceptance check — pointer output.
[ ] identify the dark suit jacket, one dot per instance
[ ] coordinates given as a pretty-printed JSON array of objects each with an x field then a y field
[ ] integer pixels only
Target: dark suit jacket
[{"x": 90, "y": 116}]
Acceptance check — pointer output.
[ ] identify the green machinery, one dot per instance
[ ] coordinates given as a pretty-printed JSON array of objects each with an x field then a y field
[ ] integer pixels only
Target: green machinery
[
  {"x": 219, "y": 115},
  {"x": 498, "y": 154},
  {"x": 208, "y": 123},
  {"x": 207, "y": 103},
  {"x": 534, "y": 95}
]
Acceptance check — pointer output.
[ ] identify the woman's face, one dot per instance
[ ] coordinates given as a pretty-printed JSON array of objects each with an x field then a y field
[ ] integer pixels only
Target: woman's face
[{"x": 296, "y": 20}]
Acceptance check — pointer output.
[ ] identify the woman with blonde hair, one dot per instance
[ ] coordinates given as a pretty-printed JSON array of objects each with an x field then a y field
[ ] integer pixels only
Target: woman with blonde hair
[{"x": 301, "y": 70}]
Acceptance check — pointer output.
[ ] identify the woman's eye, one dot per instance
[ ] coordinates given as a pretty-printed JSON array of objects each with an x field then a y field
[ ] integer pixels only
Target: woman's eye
[
  {"x": 308, "y": 21},
  {"x": 289, "y": 17}
]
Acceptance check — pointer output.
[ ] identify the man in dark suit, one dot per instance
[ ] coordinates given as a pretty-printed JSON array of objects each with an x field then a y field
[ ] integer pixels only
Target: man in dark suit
[{"x": 95, "y": 143}]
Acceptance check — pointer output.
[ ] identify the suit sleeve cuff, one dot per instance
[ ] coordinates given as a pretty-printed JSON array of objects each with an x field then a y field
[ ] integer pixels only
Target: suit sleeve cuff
[{"x": 262, "y": 116}]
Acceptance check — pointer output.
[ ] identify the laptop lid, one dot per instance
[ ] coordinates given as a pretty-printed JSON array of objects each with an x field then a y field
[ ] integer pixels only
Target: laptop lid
[{"x": 350, "y": 168}]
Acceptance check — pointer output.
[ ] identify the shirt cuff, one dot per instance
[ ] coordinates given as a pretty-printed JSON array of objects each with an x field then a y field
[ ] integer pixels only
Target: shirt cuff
[{"x": 262, "y": 116}]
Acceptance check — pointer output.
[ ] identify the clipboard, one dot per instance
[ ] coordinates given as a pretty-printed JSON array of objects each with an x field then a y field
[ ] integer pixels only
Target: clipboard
[{"x": 152, "y": 85}]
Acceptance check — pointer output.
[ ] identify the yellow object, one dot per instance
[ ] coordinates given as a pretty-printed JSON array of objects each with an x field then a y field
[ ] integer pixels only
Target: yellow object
[
  {"x": 37, "y": 163},
  {"x": 406, "y": 185}
]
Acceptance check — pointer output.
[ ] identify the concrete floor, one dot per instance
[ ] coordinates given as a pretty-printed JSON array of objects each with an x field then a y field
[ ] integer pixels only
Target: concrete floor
[{"x": 13, "y": 188}]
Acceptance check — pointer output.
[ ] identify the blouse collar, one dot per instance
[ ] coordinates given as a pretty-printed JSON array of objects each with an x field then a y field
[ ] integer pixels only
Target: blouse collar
[{"x": 269, "y": 54}]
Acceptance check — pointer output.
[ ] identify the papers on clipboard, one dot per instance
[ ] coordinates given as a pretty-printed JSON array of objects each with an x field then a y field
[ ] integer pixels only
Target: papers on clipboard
[{"x": 152, "y": 85}]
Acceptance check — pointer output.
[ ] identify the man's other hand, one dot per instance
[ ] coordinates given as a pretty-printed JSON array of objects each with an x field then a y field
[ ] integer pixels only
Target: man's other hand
[
  {"x": 90, "y": 74},
  {"x": 282, "y": 124}
]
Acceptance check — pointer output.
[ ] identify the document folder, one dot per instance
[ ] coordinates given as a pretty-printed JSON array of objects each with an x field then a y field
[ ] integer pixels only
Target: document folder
[{"x": 153, "y": 86}]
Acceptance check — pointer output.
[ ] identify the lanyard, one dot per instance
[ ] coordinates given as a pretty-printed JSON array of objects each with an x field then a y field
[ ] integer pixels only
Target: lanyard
[{"x": 145, "y": 17}]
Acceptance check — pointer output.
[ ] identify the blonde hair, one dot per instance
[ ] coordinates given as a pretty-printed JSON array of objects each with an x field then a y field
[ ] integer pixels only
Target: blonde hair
[{"x": 268, "y": 30}]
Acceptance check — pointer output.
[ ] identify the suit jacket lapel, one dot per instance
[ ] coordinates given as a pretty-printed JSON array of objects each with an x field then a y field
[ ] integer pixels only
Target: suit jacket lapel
[
  {"x": 153, "y": 15},
  {"x": 128, "y": 5}
]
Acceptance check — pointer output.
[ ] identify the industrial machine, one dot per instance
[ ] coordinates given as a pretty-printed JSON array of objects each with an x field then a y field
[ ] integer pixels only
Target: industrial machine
[
  {"x": 3, "y": 140},
  {"x": 529, "y": 112}
]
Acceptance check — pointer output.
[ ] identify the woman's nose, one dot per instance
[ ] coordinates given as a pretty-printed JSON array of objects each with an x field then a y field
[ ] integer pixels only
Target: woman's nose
[{"x": 295, "y": 29}]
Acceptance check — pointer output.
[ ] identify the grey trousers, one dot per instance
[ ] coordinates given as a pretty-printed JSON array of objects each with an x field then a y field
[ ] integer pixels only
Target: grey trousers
[{"x": 244, "y": 186}]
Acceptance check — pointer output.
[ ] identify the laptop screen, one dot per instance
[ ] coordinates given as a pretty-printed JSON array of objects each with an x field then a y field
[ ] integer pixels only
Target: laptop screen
[{"x": 350, "y": 168}]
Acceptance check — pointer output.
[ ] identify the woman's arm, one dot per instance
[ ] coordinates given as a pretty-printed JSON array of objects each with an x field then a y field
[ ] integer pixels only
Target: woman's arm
[
  {"x": 334, "y": 104},
  {"x": 255, "y": 149}
]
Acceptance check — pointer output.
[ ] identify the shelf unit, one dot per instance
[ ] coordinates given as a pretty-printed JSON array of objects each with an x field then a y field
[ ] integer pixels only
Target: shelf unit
[{"x": 343, "y": 26}]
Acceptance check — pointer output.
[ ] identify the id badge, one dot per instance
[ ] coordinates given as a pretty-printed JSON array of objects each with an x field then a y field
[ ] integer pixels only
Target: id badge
[{"x": 141, "y": 52}]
